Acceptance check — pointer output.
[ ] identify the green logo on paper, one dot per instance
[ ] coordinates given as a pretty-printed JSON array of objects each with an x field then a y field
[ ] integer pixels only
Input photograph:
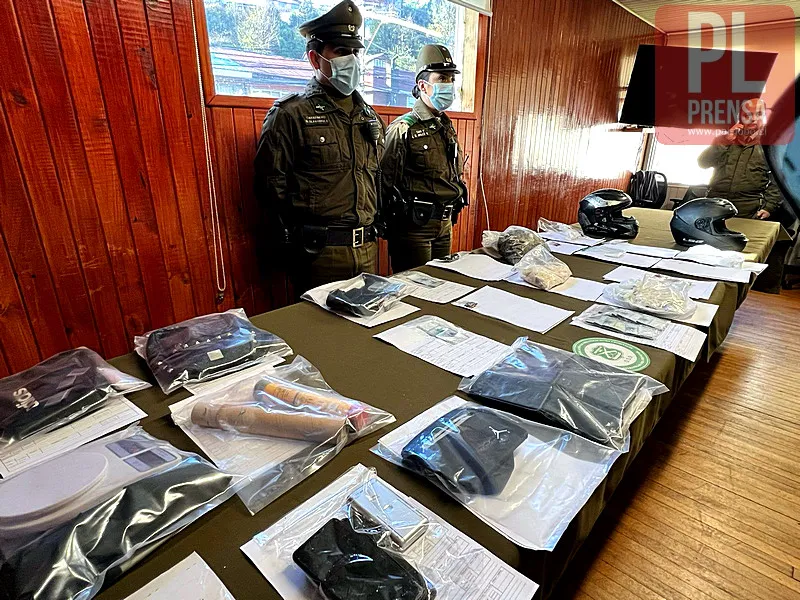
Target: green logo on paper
[{"x": 612, "y": 352}]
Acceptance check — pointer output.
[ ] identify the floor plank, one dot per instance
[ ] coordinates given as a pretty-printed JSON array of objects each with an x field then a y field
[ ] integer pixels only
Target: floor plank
[{"x": 711, "y": 508}]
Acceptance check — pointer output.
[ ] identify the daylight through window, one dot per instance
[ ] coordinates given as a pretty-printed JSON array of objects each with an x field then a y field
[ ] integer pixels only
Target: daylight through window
[{"x": 256, "y": 50}]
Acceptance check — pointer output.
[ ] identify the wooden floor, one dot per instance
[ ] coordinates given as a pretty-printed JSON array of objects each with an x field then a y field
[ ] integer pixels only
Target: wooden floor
[{"x": 711, "y": 509}]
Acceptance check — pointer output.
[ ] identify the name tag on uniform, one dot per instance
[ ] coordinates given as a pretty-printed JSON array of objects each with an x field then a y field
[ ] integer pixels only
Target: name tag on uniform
[
  {"x": 418, "y": 133},
  {"x": 316, "y": 120}
]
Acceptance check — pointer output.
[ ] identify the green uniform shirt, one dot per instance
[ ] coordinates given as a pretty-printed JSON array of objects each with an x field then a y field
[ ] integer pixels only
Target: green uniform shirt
[
  {"x": 315, "y": 163},
  {"x": 741, "y": 175},
  {"x": 423, "y": 158}
]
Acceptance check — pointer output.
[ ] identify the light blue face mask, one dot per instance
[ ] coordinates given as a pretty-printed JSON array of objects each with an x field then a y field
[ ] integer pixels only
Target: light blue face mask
[
  {"x": 443, "y": 95},
  {"x": 345, "y": 73}
]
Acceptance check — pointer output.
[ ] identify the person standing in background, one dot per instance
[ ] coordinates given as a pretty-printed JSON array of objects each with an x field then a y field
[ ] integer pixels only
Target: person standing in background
[
  {"x": 317, "y": 161},
  {"x": 423, "y": 167},
  {"x": 741, "y": 173}
]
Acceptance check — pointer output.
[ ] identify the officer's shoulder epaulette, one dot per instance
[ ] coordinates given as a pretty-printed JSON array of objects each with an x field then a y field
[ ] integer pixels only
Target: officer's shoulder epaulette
[
  {"x": 408, "y": 118},
  {"x": 287, "y": 99}
]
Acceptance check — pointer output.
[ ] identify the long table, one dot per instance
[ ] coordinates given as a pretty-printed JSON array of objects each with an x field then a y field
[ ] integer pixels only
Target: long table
[{"x": 367, "y": 369}]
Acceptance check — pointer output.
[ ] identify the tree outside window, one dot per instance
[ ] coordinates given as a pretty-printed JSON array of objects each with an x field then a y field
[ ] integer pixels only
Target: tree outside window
[{"x": 257, "y": 51}]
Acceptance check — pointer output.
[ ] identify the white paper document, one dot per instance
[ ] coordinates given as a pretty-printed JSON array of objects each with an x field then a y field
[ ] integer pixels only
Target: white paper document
[
  {"x": 699, "y": 290},
  {"x": 116, "y": 414},
  {"x": 461, "y": 568},
  {"x": 559, "y": 236},
  {"x": 190, "y": 578},
  {"x": 697, "y": 270},
  {"x": 582, "y": 289},
  {"x": 755, "y": 267},
  {"x": 319, "y": 295},
  {"x": 563, "y": 247},
  {"x": 245, "y": 455},
  {"x": 682, "y": 340},
  {"x": 478, "y": 266},
  {"x": 714, "y": 257},
  {"x": 519, "y": 311},
  {"x": 205, "y": 386},
  {"x": 445, "y": 345},
  {"x": 574, "y": 287},
  {"x": 609, "y": 254},
  {"x": 654, "y": 251},
  {"x": 702, "y": 317},
  {"x": 433, "y": 289}
]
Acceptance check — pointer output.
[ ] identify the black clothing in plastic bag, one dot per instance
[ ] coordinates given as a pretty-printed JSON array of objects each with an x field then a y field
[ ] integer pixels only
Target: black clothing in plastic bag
[
  {"x": 348, "y": 565},
  {"x": 469, "y": 450},
  {"x": 377, "y": 293},
  {"x": 579, "y": 394},
  {"x": 205, "y": 348},
  {"x": 71, "y": 560},
  {"x": 57, "y": 391}
]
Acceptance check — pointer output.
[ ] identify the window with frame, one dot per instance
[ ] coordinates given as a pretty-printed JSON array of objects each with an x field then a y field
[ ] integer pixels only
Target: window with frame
[
  {"x": 256, "y": 50},
  {"x": 679, "y": 163}
]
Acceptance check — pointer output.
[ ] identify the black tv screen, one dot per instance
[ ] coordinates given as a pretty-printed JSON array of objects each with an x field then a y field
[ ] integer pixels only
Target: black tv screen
[{"x": 658, "y": 92}]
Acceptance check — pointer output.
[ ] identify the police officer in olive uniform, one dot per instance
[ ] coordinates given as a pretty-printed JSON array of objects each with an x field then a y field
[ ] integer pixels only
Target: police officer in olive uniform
[
  {"x": 317, "y": 161},
  {"x": 423, "y": 167}
]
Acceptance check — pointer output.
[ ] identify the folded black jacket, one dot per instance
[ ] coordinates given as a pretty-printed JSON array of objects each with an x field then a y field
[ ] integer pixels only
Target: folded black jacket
[
  {"x": 572, "y": 392},
  {"x": 207, "y": 347},
  {"x": 71, "y": 560}
]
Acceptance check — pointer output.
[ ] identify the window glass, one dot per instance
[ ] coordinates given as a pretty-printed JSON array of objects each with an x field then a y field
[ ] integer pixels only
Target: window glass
[
  {"x": 679, "y": 164},
  {"x": 257, "y": 51}
]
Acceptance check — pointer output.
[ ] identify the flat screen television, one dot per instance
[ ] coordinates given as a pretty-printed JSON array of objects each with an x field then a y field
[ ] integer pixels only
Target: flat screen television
[{"x": 658, "y": 88}]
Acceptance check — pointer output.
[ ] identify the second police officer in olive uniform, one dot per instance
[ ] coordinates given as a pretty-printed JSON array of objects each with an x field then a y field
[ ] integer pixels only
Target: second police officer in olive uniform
[
  {"x": 317, "y": 161},
  {"x": 423, "y": 167}
]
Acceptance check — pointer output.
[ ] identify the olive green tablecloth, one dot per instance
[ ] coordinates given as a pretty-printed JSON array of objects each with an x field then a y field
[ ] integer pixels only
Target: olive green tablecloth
[{"x": 367, "y": 369}]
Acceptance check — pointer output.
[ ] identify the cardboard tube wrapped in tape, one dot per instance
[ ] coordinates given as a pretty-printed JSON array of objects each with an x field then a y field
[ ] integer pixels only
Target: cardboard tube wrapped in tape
[
  {"x": 259, "y": 419},
  {"x": 314, "y": 402}
]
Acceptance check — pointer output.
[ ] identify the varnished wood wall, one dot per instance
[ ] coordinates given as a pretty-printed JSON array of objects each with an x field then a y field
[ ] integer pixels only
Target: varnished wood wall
[
  {"x": 105, "y": 227},
  {"x": 104, "y": 211},
  {"x": 556, "y": 73}
]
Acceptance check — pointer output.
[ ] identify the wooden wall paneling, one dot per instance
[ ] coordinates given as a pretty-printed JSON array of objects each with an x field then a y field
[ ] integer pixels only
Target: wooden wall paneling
[
  {"x": 28, "y": 261},
  {"x": 39, "y": 173},
  {"x": 547, "y": 100},
  {"x": 248, "y": 210},
  {"x": 179, "y": 143},
  {"x": 144, "y": 83},
  {"x": 89, "y": 107},
  {"x": 195, "y": 104},
  {"x": 229, "y": 194},
  {"x": 15, "y": 326},
  {"x": 126, "y": 141},
  {"x": 44, "y": 55},
  {"x": 270, "y": 272}
]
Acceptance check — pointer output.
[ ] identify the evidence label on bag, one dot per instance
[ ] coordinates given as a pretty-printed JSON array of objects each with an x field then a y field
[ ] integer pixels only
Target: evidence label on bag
[{"x": 612, "y": 352}]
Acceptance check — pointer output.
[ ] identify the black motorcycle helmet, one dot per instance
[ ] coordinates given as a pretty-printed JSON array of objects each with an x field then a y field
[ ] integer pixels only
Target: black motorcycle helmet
[
  {"x": 600, "y": 215},
  {"x": 702, "y": 221}
]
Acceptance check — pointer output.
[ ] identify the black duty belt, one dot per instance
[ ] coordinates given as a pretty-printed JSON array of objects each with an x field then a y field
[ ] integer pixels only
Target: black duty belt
[
  {"x": 439, "y": 212},
  {"x": 442, "y": 213},
  {"x": 355, "y": 238}
]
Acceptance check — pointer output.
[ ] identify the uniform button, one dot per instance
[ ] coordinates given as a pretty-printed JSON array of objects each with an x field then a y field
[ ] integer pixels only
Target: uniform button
[
  {"x": 425, "y": 147},
  {"x": 322, "y": 138}
]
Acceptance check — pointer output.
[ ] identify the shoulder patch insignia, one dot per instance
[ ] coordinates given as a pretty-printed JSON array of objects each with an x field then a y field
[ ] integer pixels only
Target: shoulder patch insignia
[{"x": 312, "y": 120}]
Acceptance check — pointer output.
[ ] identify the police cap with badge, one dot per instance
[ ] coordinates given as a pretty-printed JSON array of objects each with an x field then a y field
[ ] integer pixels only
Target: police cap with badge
[
  {"x": 435, "y": 58},
  {"x": 339, "y": 26}
]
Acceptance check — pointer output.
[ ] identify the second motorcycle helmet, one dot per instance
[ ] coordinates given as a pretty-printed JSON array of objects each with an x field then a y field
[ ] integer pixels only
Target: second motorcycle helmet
[{"x": 600, "y": 215}]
